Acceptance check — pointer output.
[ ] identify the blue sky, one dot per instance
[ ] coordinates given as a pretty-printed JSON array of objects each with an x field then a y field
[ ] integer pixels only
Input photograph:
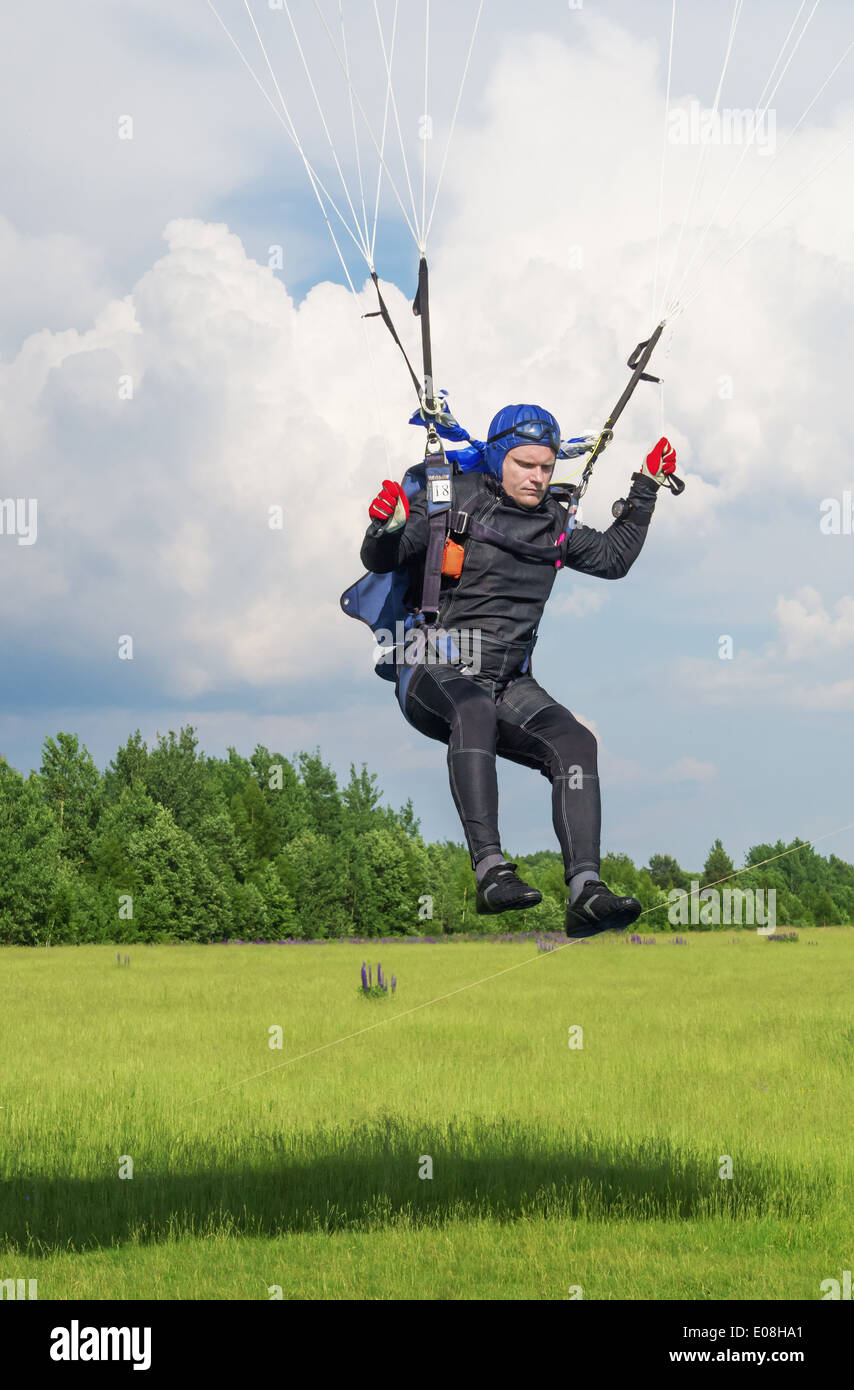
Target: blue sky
[{"x": 147, "y": 259}]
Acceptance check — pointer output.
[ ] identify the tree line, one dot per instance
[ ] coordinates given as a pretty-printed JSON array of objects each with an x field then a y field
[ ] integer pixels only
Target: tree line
[{"x": 168, "y": 844}]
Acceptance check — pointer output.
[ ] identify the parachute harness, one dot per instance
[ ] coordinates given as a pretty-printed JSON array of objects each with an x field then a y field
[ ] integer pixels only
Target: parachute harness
[
  {"x": 637, "y": 362},
  {"x": 421, "y": 309},
  {"x": 438, "y": 470}
]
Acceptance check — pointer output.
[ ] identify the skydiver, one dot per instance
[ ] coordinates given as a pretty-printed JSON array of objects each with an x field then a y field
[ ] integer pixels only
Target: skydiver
[{"x": 500, "y": 708}]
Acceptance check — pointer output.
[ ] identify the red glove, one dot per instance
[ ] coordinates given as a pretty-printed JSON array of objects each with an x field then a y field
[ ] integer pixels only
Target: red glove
[
  {"x": 660, "y": 462},
  {"x": 390, "y": 506}
]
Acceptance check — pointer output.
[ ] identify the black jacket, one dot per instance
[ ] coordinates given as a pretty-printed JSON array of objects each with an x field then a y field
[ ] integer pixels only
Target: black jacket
[{"x": 499, "y": 595}]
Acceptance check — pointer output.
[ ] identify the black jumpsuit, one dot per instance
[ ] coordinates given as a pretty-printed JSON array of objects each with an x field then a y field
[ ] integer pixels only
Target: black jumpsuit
[{"x": 497, "y": 708}]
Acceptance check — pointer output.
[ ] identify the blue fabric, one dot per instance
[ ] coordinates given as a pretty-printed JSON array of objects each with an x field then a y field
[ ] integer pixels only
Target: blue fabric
[
  {"x": 506, "y": 418},
  {"x": 378, "y": 599},
  {"x": 475, "y": 457},
  {"x": 403, "y": 687},
  {"x": 468, "y": 460}
]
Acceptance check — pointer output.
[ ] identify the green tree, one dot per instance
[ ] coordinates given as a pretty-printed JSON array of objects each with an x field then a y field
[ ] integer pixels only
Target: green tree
[
  {"x": 230, "y": 775},
  {"x": 791, "y": 911},
  {"x": 226, "y": 854},
  {"x": 620, "y": 874},
  {"x": 824, "y": 910},
  {"x": 406, "y": 816},
  {"x": 322, "y": 798},
  {"x": 279, "y": 781},
  {"x": 177, "y": 896},
  {"x": 718, "y": 865},
  {"x": 71, "y": 785},
  {"x": 278, "y": 903},
  {"x": 255, "y": 823},
  {"x": 665, "y": 872},
  {"x": 31, "y": 881},
  {"x": 361, "y": 798},
  {"x": 310, "y": 867},
  {"x": 249, "y": 912},
  {"x": 127, "y": 769},
  {"x": 382, "y": 900},
  {"x": 132, "y": 812},
  {"x": 180, "y": 781}
]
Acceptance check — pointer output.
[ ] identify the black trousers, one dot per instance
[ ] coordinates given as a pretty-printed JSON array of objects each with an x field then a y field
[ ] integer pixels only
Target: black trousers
[{"x": 479, "y": 718}]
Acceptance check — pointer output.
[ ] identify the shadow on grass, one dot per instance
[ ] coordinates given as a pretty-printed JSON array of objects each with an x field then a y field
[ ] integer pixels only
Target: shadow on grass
[{"x": 367, "y": 1178}]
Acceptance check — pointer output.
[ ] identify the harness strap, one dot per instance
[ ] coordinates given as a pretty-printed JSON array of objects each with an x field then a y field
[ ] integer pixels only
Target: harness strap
[
  {"x": 437, "y": 472},
  {"x": 433, "y": 563},
  {"x": 463, "y": 525},
  {"x": 441, "y": 520},
  {"x": 421, "y": 309},
  {"x": 383, "y": 313}
]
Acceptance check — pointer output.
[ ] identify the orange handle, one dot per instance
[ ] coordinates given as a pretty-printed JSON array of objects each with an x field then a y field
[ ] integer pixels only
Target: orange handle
[{"x": 452, "y": 559}]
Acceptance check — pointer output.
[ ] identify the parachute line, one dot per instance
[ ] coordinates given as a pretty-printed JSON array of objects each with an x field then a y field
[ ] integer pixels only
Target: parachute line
[
  {"x": 289, "y": 128},
  {"x": 367, "y": 125},
  {"x": 317, "y": 102},
  {"x": 368, "y": 242},
  {"x": 385, "y": 125},
  {"x": 425, "y": 132},
  {"x": 749, "y": 143},
  {"x": 700, "y": 278},
  {"x": 704, "y": 153},
  {"x": 454, "y": 120},
  {"x": 805, "y": 183},
  {"x": 654, "y": 314}
]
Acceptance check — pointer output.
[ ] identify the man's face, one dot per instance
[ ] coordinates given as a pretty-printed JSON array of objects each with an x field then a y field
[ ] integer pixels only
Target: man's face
[{"x": 527, "y": 472}]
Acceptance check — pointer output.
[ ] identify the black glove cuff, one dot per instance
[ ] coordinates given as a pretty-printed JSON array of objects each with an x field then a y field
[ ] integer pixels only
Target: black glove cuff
[
  {"x": 644, "y": 485},
  {"x": 643, "y": 495}
]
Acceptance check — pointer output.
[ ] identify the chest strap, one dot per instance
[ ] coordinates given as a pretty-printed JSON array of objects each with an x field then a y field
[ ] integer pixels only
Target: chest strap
[
  {"x": 464, "y": 525},
  {"x": 439, "y": 501}
]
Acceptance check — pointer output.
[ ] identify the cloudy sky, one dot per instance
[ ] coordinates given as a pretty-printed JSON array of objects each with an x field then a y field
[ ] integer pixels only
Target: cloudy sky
[{"x": 163, "y": 386}]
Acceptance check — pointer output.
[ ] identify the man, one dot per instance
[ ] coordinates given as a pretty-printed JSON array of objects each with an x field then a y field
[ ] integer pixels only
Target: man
[{"x": 500, "y": 708}]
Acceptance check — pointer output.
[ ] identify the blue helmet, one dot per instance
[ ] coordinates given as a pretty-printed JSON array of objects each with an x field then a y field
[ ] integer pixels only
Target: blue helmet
[{"x": 515, "y": 426}]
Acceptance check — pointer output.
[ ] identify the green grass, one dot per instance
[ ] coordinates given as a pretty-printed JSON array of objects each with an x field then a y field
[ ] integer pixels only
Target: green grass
[{"x": 552, "y": 1166}]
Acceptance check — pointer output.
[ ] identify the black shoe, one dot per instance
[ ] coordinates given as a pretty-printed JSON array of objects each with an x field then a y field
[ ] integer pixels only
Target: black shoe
[
  {"x": 501, "y": 890},
  {"x": 597, "y": 909}
]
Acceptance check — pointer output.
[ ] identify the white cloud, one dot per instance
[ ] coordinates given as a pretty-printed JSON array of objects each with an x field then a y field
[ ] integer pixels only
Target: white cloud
[
  {"x": 808, "y": 630},
  {"x": 50, "y": 279},
  {"x": 154, "y": 511}
]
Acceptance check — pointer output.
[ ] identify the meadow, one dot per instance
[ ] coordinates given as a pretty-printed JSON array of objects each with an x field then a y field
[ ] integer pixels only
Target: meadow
[{"x": 558, "y": 1170}]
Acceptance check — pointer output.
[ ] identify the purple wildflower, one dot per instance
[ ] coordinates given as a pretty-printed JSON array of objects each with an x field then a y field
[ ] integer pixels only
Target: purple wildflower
[{"x": 364, "y": 978}]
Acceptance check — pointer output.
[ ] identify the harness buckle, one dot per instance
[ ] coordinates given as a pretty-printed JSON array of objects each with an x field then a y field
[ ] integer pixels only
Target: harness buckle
[{"x": 462, "y": 526}]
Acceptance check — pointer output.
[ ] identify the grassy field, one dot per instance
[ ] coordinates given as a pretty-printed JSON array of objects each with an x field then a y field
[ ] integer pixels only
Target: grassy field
[{"x": 554, "y": 1167}]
